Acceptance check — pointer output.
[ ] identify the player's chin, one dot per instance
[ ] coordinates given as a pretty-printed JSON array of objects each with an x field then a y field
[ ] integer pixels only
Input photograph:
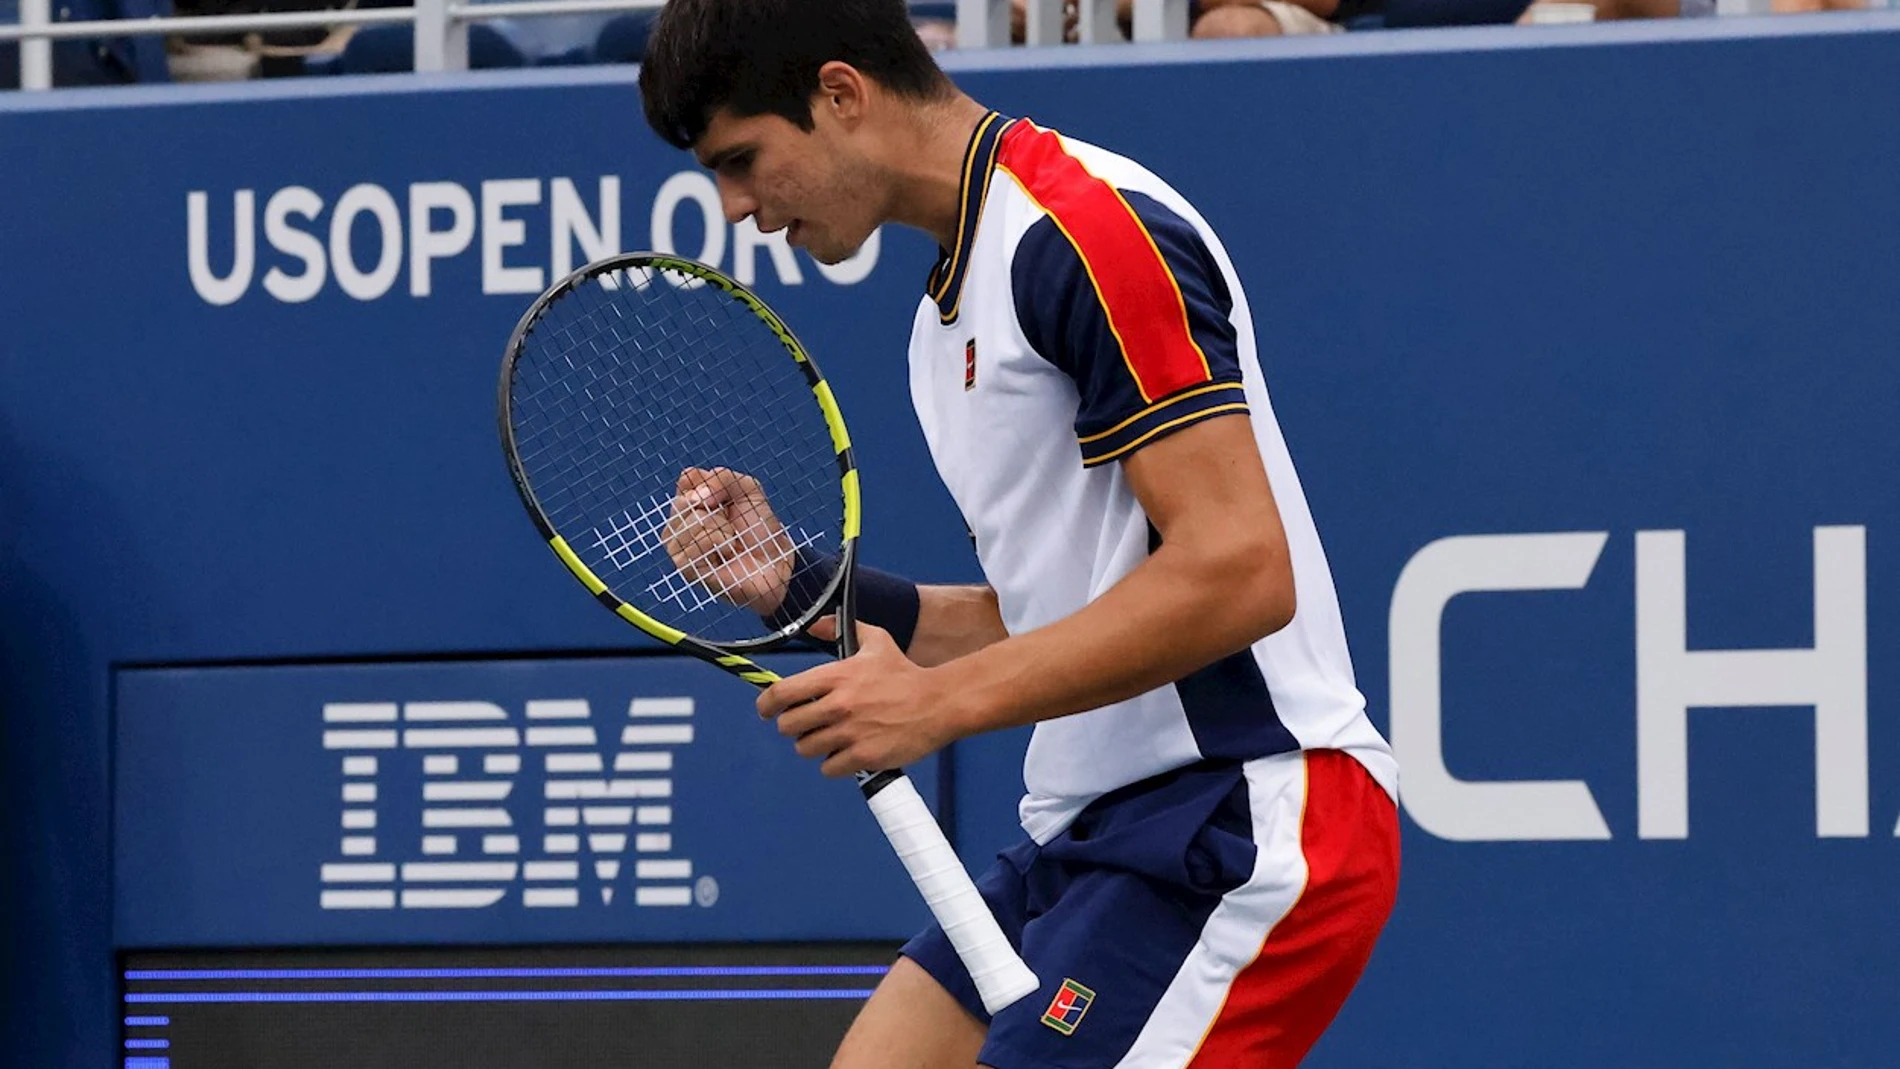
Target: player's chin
[
  {"x": 832, "y": 255},
  {"x": 830, "y": 252}
]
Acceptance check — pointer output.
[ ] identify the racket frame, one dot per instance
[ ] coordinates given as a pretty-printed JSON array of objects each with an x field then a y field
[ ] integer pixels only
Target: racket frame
[
  {"x": 731, "y": 656},
  {"x": 997, "y": 970}
]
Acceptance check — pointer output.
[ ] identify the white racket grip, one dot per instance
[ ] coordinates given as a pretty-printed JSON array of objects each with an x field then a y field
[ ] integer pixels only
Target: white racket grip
[{"x": 1001, "y": 976}]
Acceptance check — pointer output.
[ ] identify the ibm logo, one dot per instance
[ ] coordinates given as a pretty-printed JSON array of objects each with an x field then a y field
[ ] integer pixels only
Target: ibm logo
[{"x": 472, "y": 756}]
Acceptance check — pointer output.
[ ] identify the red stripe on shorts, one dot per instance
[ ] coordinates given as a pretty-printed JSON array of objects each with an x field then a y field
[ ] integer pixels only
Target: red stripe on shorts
[{"x": 1309, "y": 962}]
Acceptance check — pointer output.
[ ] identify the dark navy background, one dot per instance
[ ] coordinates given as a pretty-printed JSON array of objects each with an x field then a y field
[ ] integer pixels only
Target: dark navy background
[{"x": 1601, "y": 279}]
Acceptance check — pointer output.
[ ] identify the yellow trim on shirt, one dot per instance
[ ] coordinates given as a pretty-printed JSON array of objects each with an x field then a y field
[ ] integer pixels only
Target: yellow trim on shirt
[
  {"x": 1240, "y": 406},
  {"x": 1161, "y": 404},
  {"x": 963, "y": 209}
]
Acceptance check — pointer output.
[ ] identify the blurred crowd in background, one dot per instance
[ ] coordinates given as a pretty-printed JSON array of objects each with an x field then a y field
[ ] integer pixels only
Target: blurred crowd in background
[{"x": 621, "y": 38}]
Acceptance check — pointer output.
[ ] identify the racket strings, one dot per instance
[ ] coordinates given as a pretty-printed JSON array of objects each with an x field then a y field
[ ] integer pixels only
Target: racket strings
[
  {"x": 730, "y": 561},
  {"x": 629, "y": 381},
  {"x": 725, "y": 572}
]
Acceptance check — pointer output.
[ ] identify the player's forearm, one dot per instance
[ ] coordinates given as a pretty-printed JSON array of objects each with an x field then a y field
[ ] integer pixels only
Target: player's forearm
[
  {"x": 1181, "y": 610},
  {"x": 954, "y": 621}
]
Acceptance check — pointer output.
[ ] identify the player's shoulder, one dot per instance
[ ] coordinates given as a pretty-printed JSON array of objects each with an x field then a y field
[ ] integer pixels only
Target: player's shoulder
[
  {"x": 1073, "y": 200},
  {"x": 1047, "y": 165}
]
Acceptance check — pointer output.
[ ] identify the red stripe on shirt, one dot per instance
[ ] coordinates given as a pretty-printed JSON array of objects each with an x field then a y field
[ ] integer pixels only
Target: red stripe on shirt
[
  {"x": 1282, "y": 1001},
  {"x": 1138, "y": 292}
]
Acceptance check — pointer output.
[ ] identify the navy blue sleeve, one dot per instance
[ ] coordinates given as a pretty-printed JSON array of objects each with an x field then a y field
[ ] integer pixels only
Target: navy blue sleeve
[{"x": 1134, "y": 309}]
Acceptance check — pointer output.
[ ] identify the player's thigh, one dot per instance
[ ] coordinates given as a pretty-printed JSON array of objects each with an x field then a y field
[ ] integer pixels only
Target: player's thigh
[{"x": 910, "y": 1022}]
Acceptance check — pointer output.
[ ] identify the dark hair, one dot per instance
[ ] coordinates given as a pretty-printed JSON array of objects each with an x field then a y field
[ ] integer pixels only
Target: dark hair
[{"x": 757, "y": 57}]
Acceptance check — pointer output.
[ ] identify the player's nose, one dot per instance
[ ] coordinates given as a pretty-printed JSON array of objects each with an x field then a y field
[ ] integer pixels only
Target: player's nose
[{"x": 737, "y": 202}]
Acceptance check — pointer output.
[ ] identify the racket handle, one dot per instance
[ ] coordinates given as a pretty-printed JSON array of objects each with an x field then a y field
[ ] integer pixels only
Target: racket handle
[{"x": 1001, "y": 976}]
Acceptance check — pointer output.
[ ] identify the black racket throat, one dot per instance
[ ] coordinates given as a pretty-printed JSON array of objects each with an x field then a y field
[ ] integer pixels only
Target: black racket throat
[{"x": 847, "y": 597}]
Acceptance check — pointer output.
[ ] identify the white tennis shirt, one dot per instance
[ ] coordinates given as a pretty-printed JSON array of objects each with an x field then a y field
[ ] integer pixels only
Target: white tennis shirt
[{"x": 1086, "y": 311}]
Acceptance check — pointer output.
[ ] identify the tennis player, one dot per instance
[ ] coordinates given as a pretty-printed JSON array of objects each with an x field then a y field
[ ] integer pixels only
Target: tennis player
[{"x": 1211, "y": 840}]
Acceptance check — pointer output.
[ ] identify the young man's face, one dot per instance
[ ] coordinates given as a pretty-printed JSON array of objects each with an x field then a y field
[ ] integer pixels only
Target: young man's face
[{"x": 807, "y": 183}]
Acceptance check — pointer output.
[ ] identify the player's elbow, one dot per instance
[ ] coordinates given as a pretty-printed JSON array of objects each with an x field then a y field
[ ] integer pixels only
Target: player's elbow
[
  {"x": 1276, "y": 603},
  {"x": 1255, "y": 579}
]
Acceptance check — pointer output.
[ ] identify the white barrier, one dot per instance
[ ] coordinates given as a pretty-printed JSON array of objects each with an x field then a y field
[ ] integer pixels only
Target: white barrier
[{"x": 442, "y": 25}]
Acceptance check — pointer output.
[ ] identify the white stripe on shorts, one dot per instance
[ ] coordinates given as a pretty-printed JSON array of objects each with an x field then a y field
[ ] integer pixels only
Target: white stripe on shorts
[{"x": 1235, "y": 931}]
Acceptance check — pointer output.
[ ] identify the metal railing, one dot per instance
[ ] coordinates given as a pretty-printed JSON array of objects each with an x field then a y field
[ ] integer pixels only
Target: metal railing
[
  {"x": 985, "y": 23},
  {"x": 442, "y": 25},
  {"x": 441, "y": 39}
]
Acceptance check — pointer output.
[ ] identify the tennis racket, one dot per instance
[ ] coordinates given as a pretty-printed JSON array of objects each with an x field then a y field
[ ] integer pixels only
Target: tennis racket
[{"x": 683, "y": 456}]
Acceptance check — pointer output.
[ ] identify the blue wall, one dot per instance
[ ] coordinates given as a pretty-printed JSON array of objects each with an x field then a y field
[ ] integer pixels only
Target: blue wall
[{"x": 1596, "y": 281}]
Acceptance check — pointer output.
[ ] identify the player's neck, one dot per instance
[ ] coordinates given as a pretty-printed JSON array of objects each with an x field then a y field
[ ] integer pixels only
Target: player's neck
[{"x": 927, "y": 168}]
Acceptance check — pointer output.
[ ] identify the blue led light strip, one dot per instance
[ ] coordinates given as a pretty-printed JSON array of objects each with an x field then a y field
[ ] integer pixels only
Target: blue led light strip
[
  {"x": 503, "y": 974},
  {"x": 653, "y": 995},
  {"x": 148, "y": 1044},
  {"x": 147, "y": 1022},
  {"x": 148, "y": 1063}
]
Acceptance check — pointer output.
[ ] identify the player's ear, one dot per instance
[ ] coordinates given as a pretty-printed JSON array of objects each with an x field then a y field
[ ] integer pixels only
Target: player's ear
[{"x": 842, "y": 92}]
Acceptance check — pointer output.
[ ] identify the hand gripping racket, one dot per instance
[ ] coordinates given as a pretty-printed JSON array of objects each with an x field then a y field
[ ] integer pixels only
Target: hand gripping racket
[{"x": 685, "y": 459}]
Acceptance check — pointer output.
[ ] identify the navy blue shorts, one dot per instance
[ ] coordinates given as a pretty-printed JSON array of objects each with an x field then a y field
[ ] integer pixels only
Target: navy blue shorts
[{"x": 1213, "y": 916}]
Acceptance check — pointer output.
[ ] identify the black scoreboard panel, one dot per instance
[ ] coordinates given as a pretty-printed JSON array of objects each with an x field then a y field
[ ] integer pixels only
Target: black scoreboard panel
[{"x": 741, "y": 1006}]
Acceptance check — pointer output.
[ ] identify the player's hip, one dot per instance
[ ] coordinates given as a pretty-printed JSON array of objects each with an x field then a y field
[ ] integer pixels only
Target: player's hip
[
  {"x": 1084, "y": 762},
  {"x": 1215, "y": 915}
]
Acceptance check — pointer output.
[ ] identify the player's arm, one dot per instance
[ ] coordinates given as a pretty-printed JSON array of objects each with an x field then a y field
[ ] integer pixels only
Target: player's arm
[
  {"x": 951, "y": 621},
  {"x": 723, "y": 534},
  {"x": 1220, "y": 580},
  {"x": 954, "y": 621}
]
